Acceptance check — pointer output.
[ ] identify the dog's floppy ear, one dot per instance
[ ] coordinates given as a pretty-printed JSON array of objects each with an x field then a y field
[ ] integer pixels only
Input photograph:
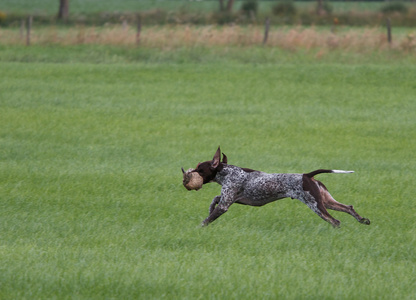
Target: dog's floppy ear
[
  {"x": 216, "y": 160},
  {"x": 224, "y": 158}
]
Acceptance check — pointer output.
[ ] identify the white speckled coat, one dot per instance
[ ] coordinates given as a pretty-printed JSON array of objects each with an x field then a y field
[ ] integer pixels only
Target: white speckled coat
[{"x": 257, "y": 188}]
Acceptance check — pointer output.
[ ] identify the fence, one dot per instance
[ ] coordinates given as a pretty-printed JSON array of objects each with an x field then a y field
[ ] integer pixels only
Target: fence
[{"x": 28, "y": 23}]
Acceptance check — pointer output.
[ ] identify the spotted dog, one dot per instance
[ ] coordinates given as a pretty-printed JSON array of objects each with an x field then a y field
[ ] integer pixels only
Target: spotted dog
[{"x": 255, "y": 188}]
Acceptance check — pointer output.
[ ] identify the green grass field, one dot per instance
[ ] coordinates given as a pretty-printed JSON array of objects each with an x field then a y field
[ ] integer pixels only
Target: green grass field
[
  {"x": 91, "y": 200},
  {"x": 94, "y": 6}
]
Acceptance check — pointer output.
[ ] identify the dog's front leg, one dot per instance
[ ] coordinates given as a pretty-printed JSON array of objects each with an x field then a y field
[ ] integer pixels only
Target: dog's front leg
[
  {"x": 224, "y": 202},
  {"x": 216, "y": 213},
  {"x": 214, "y": 202}
]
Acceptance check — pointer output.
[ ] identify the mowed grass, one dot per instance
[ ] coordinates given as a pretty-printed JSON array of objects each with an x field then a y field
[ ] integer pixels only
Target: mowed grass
[{"x": 91, "y": 201}]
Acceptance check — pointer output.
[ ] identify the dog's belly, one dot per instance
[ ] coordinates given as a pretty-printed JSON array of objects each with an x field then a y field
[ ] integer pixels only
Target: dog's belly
[
  {"x": 257, "y": 201},
  {"x": 265, "y": 188}
]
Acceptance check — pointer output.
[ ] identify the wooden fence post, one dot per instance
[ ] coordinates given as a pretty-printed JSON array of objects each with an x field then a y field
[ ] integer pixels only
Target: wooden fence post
[
  {"x": 139, "y": 29},
  {"x": 266, "y": 31},
  {"x": 28, "y": 29},
  {"x": 388, "y": 23}
]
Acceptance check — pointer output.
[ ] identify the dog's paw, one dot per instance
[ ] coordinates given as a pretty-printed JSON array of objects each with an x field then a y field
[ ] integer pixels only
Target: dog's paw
[
  {"x": 336, "y": 224},
  {"x": 365, "y": 221}
]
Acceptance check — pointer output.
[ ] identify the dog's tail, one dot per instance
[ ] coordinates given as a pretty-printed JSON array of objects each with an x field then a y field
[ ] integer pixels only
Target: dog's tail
[{"x": 316, "y": 172}]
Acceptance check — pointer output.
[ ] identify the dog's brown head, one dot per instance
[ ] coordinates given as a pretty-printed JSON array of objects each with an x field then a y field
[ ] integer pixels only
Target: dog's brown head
[{"x": 205, "y": 172}]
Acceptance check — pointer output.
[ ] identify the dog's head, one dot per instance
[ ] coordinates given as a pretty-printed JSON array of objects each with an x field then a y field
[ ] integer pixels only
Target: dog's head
[{"x": 205, "y": 172}]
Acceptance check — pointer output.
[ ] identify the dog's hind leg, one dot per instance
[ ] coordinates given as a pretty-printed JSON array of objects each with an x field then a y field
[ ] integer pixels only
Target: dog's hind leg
[
  {"x": 331, "y": 203},
  {"x": 312, "y": 197},
  {"x": 315, "y": 204}
]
